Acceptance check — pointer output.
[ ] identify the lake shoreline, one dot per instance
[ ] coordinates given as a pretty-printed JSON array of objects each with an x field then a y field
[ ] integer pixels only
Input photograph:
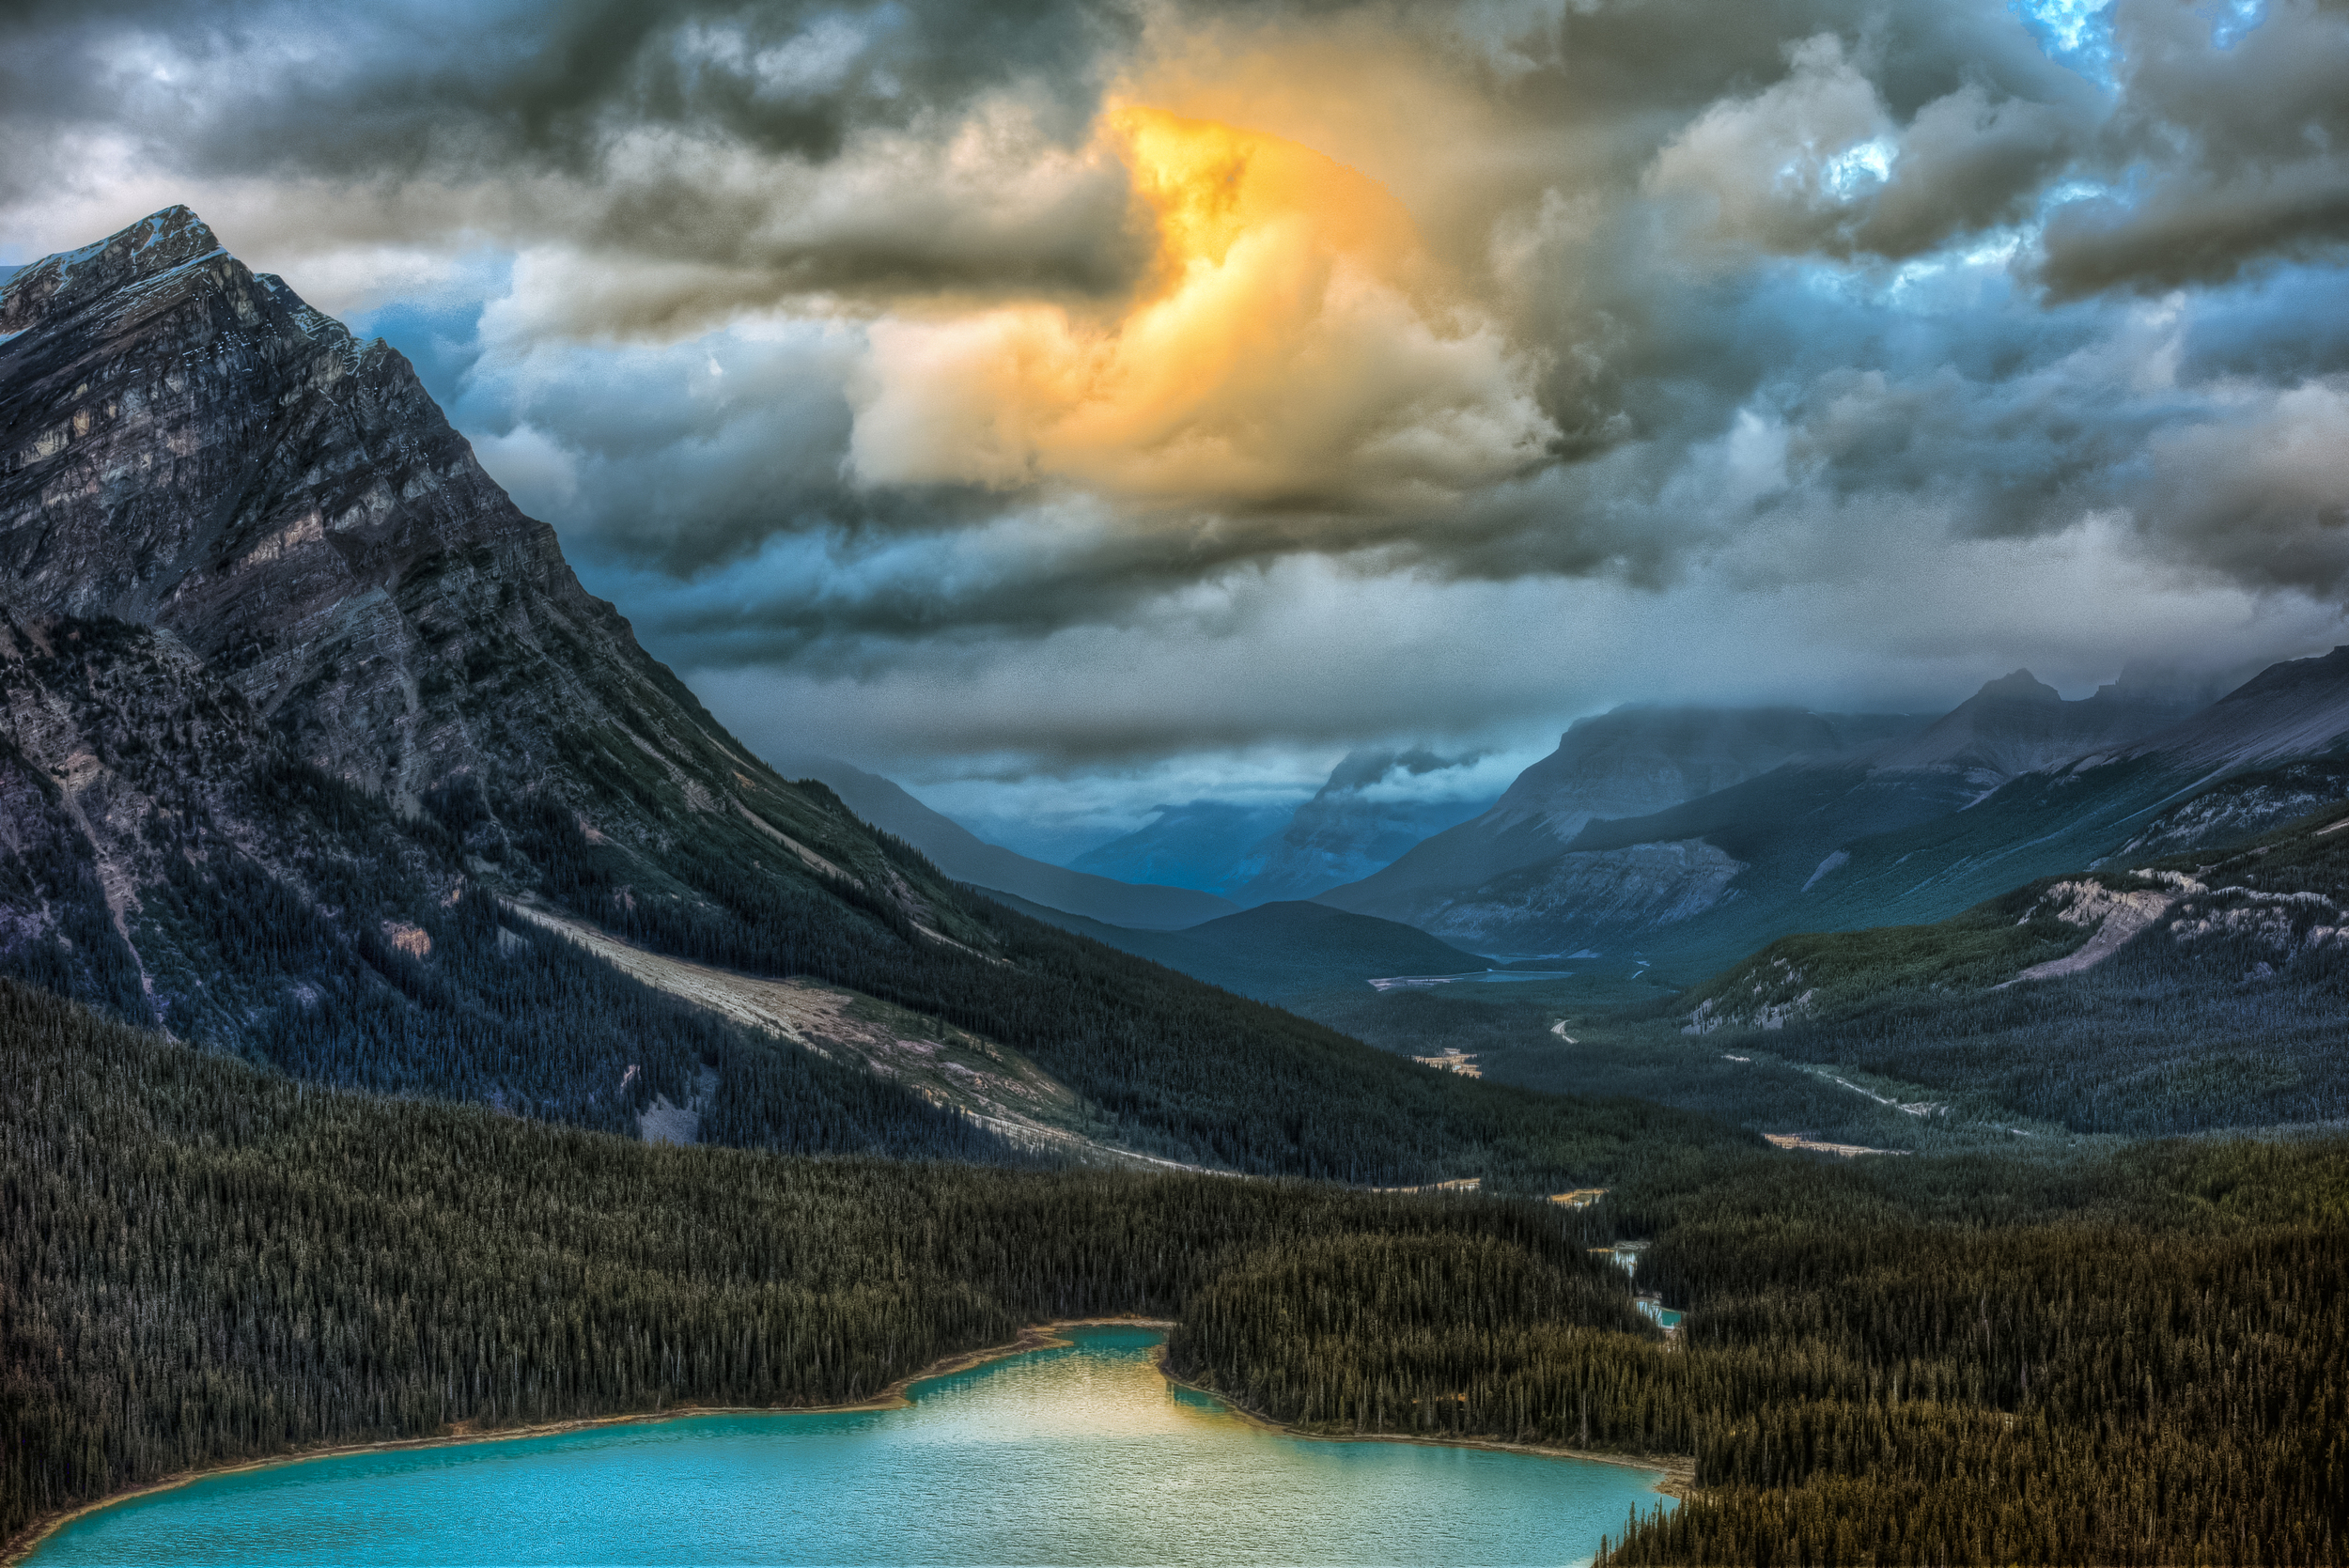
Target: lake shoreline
[
  {"x": 1678, "y": 1471},
  {"x": 1676, "y": 1483},
  {"x": 1043, "y": 1336}
]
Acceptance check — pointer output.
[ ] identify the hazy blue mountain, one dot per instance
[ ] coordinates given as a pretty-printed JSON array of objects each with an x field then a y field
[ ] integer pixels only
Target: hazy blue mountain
[
  {"x": 2012, "y": 784},
  {"x": 1199, "y": 845},
  {"x": 1627, "y": 762},
  {"x": 1280, "y": 951},
  {"x": 964, "y": 856},
  {"x": 1377, "y": 806}
]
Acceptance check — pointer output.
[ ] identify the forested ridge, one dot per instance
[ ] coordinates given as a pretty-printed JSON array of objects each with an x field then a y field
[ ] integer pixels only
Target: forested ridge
[
  {"x": 2131, "y": 1359},
  {"x": 2222, "y": 1011},
  {"x": 1179, "y": 1068},
  {"x": 2145, "y": 1361},
  {"x": 204, "y": 1262}
]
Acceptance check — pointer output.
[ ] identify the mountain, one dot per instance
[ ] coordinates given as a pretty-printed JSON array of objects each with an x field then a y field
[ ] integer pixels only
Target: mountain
[
  {"x": 966, "y": 858},
  {"x": 1198, "y": 845},
  {"x": 1627, "y": 762},
  {"x": 2172, "y": 993},
  {"x": 2012, "y": 784},
  {"x": 1369, "y": 813},
  {"x": 314, "y": 752},
  {"x": 1280, "y": 951},
  {"x": 2297, "y": 708},
  {"x": 2018, "y": 725},
  {"x": 1376, "y": 803}
]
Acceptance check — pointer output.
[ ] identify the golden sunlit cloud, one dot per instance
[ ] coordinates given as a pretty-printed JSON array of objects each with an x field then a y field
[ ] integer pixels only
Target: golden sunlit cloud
[{"x": 1293, "y": 348}]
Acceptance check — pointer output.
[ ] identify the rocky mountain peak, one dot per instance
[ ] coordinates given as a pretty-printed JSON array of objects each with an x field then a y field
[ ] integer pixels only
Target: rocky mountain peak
[
  {"x": 2019, "y": 724},
  {"x": 157, "y": 244},
  {"x": 2020, "y": 687},
  {"x": 188, "y": 446}
]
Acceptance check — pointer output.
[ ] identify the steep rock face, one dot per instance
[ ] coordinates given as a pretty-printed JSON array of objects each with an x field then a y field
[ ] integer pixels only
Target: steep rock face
[
  {"x": 118, "y": 744},
  {"x": 236, "y": 544},
  {"x": 189, "y": 446}
]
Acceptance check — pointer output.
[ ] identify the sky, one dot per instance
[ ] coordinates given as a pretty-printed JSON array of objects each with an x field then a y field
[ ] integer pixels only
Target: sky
[{"x": 1070, "y": 409}]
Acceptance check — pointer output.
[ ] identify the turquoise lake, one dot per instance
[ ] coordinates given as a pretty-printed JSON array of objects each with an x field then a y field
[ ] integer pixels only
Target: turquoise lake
[{"x": 1083, "y": 1455}]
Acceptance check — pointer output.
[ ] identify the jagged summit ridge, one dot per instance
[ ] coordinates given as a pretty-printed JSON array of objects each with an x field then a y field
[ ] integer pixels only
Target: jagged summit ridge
[
  {"x": 238, "y": 549},
  {"x": 159, "y": 243},
  {"x": 187, "y": 446}
]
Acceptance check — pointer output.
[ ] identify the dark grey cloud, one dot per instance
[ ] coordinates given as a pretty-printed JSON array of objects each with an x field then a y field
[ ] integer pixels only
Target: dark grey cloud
[
  {"x": 629, "y": 128},
  {"x": 2234, "y": 149},
  {"x": 1736, "y": 292}
]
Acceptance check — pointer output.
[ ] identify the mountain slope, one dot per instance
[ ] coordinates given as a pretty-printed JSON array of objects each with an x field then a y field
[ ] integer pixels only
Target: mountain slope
[
  {"x": 1197, "y": 845},
  {"x": 296, "y": 707},
  {"x": 1367, "y": 815},
  {"x": 1279, "y": 951},
  {"x": 1808, "y": 844},
  {"x": 2018, "y": 725},
  {"x": 2166, "y": 995},
  {"x": 966, "y": 858},
  {"x": 1629, "y": 763}
]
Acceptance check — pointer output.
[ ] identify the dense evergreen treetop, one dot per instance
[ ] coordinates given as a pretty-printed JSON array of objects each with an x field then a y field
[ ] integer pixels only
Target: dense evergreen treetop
[{"x": 2131, "y": 1358}]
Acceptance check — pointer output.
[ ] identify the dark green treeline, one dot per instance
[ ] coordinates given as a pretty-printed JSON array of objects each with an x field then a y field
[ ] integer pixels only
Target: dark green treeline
[
  {"x": 2115, "y": 1359},
  {"x": 2147, "y": 1362},
  {"x": 201, "y": 1262}
]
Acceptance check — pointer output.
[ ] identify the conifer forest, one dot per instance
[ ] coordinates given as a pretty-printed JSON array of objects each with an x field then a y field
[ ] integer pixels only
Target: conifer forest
[{"x": 2139, "y": 1357}]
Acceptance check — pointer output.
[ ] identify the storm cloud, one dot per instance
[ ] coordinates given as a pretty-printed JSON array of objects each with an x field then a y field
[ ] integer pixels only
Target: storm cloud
[{"x": 924, "y": 345}]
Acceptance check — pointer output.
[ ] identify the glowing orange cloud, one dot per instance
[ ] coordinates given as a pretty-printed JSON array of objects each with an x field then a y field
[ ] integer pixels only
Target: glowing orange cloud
[{"x": 1291, "y": 347}]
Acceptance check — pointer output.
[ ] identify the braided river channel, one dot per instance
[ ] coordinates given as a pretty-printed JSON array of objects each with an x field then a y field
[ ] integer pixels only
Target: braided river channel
[{"x": 1083, "y": 1453}]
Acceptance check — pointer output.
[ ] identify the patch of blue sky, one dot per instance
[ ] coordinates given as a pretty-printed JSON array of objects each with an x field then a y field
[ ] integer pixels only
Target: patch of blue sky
[
  {"x": 1962, "y": 275},
  {"x": 1857, "y": 170},
  {"x": 440, "y": 332},
  {"x": 2235, "y": 18},
  {"x": 1976, "y": 270},
  {"x": 2076, "y": 32}
]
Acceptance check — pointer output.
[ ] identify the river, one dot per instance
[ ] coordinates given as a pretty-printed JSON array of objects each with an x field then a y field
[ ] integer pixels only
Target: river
[{"x": 1081, "y": 1454}]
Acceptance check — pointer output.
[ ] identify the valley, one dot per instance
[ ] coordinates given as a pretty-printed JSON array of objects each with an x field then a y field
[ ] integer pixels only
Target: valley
[{"x": 425, "y": 1019}]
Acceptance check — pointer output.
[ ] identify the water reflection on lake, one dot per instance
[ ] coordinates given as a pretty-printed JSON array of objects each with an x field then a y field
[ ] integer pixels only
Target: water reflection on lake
[{"x": 1078, "y": 1455}]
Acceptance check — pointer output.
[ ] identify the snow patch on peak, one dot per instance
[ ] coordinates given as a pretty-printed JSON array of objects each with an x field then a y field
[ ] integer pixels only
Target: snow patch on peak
[{"x": 157, "y": 245}]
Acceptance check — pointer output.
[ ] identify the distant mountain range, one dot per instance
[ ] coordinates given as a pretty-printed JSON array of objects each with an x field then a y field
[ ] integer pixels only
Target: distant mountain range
[
  {"x": 1627, "y": 762},
  {"x": 964, "y": 856},
  {"x": 1854, "y": 824},
  {"x": 1376, "y": 803}
]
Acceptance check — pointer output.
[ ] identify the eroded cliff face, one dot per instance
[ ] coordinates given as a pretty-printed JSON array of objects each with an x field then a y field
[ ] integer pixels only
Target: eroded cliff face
[
  {"x": 189, "y": 446},
  {"x": 119, "y": 746},
  {"x": 246, "y": 562}
]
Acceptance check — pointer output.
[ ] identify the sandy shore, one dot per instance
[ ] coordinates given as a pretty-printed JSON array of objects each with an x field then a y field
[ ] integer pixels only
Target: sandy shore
[
  {"x": 1043, "y": 1336},
  {"x": 1678, "y": 1475}
]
